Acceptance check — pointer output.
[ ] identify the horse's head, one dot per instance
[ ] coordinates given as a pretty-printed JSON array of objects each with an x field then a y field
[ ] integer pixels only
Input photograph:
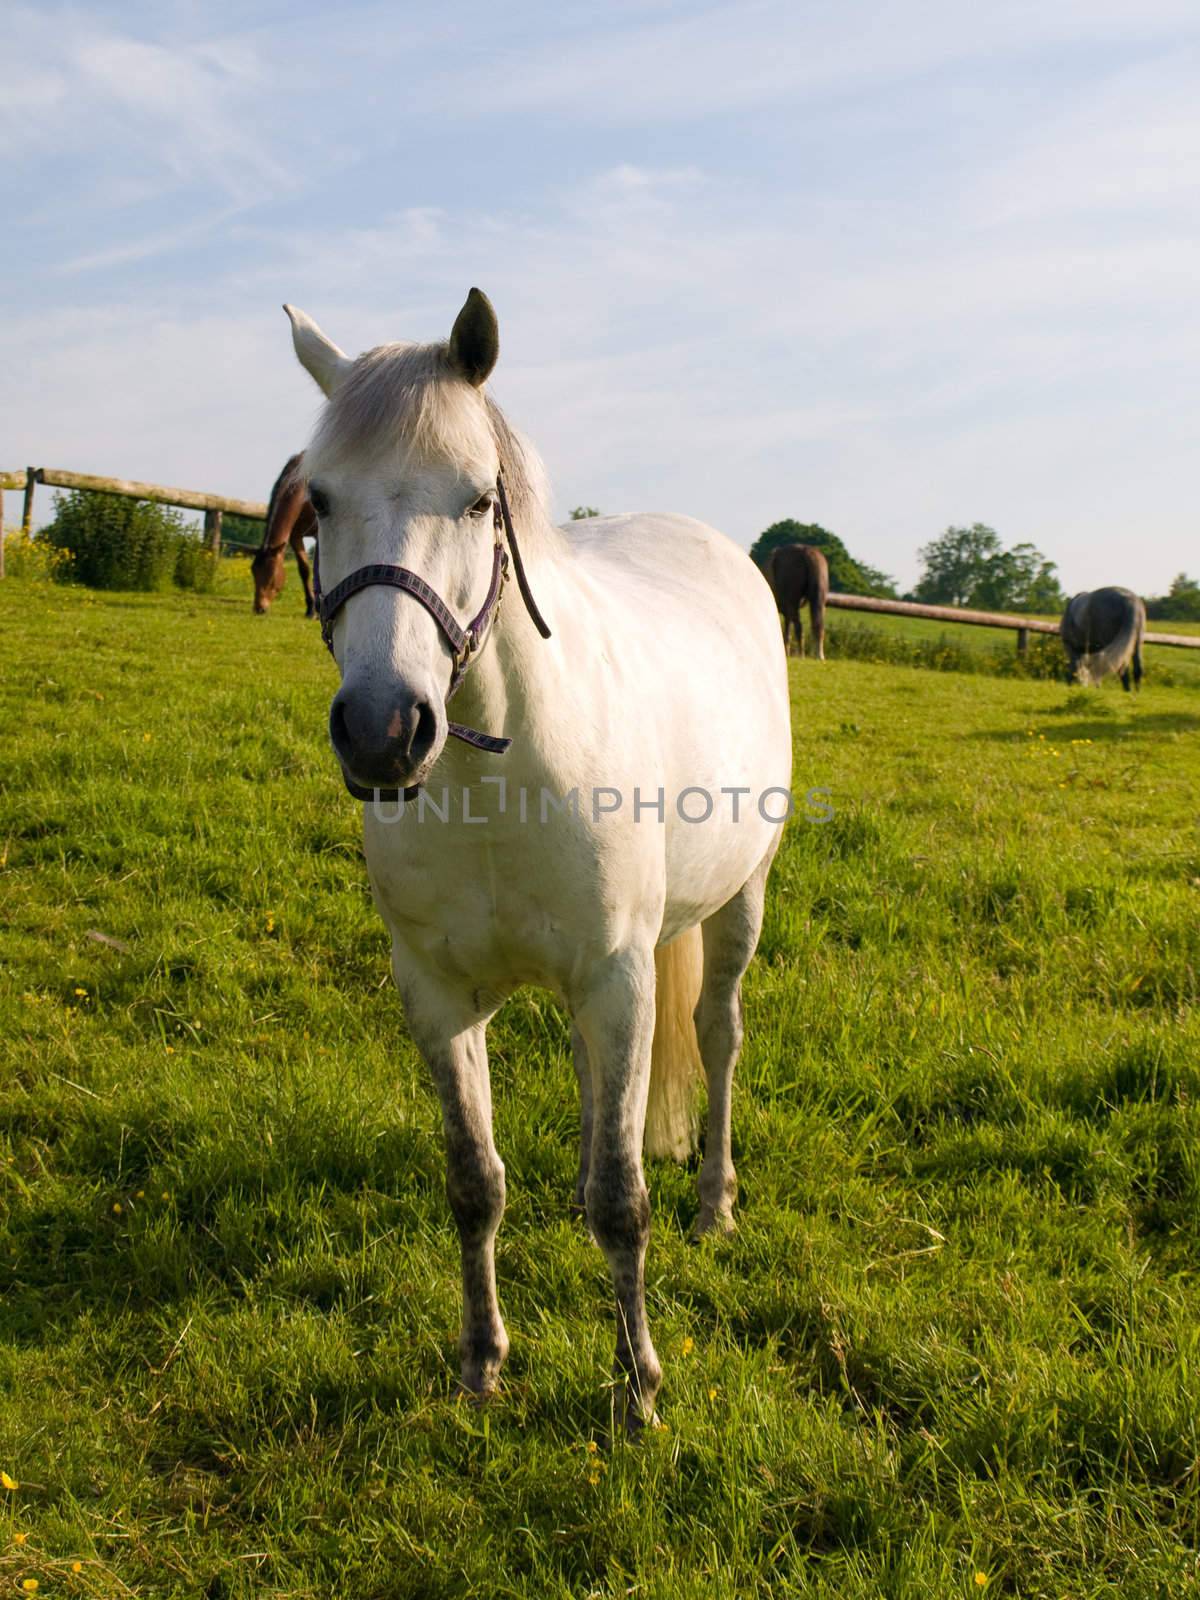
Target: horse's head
[
  {"x": 268, "y": 571},
  {"x": 401, "y": 472}
]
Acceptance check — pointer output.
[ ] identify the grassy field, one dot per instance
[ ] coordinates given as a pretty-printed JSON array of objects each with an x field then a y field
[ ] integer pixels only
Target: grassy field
[{"x": 954, "y": 1348}]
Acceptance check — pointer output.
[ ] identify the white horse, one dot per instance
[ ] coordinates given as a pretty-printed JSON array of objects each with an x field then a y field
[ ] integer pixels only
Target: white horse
[{"x": 617, "y": 854}]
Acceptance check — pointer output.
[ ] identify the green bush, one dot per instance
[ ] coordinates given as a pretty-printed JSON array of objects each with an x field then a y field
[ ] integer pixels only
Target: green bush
[
  {"x": 195, "y": 564},
  {"x": 109, "y": 542}
]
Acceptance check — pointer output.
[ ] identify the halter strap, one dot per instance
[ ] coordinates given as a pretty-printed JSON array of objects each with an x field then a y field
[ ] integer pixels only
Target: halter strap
[{"x": 463, "y": 642}]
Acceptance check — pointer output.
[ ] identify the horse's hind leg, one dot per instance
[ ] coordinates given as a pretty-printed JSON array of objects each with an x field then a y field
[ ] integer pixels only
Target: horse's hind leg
[
  {"x": 304, "y": 567},
  {"x": 730, "y": 937}
]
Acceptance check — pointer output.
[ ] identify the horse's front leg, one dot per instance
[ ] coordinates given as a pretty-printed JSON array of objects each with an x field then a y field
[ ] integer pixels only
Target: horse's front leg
[
  {"x": 453, "y": 1044},
  {"x": 615, "y": 1015},
  {"x": 583, "y": 1073}
]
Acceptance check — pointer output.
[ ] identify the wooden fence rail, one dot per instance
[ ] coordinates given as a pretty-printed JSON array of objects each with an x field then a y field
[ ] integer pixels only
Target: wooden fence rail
[{"x": 214, "y": 504}]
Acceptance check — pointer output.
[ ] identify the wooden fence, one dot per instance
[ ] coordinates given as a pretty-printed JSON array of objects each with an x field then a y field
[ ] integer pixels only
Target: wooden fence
[{"x": 213, "y": 505}]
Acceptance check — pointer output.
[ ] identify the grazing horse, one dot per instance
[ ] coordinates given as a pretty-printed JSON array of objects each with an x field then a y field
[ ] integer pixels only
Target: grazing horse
[
  {"x": 617, "y": 854},
  {"x": 796, "y": 573},
  {"x": 290, "y": 520},
  {"x": 1102, "y": 632}
]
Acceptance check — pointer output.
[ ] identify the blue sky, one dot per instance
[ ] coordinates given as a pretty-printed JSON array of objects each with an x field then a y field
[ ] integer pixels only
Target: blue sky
[{"x": 884, "y": 266}]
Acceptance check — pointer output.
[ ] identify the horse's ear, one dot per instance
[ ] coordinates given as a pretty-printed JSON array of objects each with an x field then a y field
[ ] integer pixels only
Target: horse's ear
[
  {"x": 475, "y": 339},
  {"x": 319, "y": 356}
]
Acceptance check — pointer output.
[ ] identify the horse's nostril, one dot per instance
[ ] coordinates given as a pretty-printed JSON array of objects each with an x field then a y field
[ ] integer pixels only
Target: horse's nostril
[
  {"x": 424, "y": 731},
  {"x": 338, "y": 731}
]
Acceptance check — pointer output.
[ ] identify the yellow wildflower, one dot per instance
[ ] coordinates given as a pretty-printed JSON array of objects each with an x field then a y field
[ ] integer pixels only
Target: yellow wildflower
[
  {"x": 593, "y": 1447},
  {"x": 980, "y": 1579},
  {"x": 141, "y": 1194},
  {"x": 688, "y": 1345},
  {"x": 81, "y": 991},
  {"x": 77, "y": 1566},
  {"x": 30, "y": 1585},
  {"x": 20, "y": 1538},
  {"x": 116, "y": 1208},
  {"x": 7, "y": 1482}
]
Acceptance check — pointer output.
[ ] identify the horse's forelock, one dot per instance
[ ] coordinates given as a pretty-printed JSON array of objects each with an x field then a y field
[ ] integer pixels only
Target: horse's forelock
[{"x": 406, "y": 399}]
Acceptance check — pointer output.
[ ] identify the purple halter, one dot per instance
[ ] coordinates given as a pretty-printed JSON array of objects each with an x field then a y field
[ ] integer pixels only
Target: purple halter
[{"x": 463, "y": 642}]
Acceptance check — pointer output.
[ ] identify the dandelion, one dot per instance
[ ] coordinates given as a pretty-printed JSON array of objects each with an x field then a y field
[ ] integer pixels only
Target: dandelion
[
  {"x": 688, "y": 1345},
  {"x": 712, "y": 1394},
  {"x": 116, "y": 1208},
  {"x": 77, "y": 1566},
  {"x": 593, "y": 1447},
  {"x": 20, "y": 1538},
  {"x": 170, "y": 1049},
  {"x": 8, "y": 1483},
  {"x": 30, "y": 1585},
  {"x": 82, "y": 992},
  {"x": 980, "y": 1579}
]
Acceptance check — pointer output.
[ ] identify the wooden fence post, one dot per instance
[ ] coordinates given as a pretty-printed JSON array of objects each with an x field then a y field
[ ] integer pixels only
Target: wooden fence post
[
  {"x": 27, "y": 508},
  {"x": 212, "y": 531},
  {"x": 1022, "y": 641}
]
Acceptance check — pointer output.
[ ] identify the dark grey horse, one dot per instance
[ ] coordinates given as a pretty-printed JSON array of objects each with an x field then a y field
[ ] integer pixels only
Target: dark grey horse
[
  {"x": 796, "y": 573},
  {"x": 1102, "y": 632}
]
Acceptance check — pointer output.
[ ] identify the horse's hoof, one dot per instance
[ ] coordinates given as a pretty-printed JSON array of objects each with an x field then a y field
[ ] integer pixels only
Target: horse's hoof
[{"x": 713, "y": 1220}]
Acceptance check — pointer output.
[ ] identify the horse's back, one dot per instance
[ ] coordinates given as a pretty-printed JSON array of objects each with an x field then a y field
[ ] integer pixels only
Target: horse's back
[
  {"x": 691, "y": 630},
  {"x": 675, "y": 566}
]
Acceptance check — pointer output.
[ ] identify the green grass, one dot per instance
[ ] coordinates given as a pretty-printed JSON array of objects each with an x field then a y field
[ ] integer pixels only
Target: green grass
[{"x": 957, "y": 1336}]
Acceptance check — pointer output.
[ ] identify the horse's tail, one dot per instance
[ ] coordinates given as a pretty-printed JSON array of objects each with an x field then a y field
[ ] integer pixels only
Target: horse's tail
[
  {"x": 675, "y": 1065},
  {"x": 1114, "y": 657},
  {"x": 817, "y": 592}
]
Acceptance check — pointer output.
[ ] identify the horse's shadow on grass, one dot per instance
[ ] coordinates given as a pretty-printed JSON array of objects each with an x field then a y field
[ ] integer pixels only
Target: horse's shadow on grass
[{"x": 1110, "y": 728}]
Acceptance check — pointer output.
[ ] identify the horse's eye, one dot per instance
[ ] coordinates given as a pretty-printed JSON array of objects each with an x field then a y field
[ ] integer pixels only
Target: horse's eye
[
  {"x": 320, "y": 500},
  {"x": 481, "y": 507}
]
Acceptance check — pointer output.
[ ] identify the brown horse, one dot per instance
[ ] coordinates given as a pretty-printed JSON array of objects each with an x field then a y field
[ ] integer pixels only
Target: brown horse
[
  {"x": 290, "y": 520},
  {"x": 796, "y": 573}
]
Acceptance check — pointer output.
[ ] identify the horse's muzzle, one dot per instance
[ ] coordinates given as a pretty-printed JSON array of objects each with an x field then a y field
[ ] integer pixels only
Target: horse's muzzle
[{"x": 385, "y": 744}]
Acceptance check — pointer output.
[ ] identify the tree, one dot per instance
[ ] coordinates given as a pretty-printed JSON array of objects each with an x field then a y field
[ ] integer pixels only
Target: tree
[
  {"x": 970, "y": 567},
  {"x": 1181, "y": 603},
  {"x": 846, "y": 575},
  {"x": 955, "y": 564},
  {"x": 581, "y": 513}
]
